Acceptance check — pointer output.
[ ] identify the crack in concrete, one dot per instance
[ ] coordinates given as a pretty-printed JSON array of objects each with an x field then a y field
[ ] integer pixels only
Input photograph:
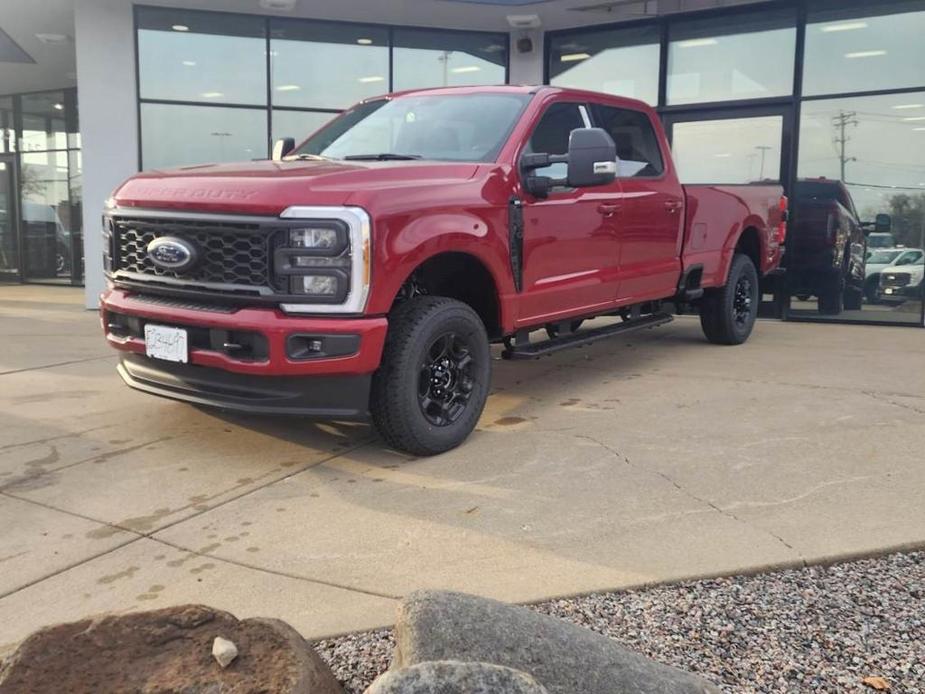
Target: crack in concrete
[
  {"x": 884, "y": 398},
  {"x": 51, "y": 366},
  {"x": 691, "y": 495}
]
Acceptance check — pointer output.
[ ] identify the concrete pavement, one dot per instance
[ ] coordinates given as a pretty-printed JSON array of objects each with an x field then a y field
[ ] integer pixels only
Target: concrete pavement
[{"x": 649, "y": 458}]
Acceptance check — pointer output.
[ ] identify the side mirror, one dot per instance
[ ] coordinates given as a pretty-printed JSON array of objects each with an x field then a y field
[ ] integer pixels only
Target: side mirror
[
  {"x": 282, "y": 147},
  {"x": 883, "y": 223},
  {"x": 592, "y": 158}
]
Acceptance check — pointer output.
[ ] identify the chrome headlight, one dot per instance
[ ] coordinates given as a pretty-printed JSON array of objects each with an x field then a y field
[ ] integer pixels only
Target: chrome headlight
[{"x": 326, "y": 260}]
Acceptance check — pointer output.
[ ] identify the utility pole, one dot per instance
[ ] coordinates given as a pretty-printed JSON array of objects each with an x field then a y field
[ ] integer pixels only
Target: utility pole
[
  {"x": 763, "y": 149},
  {"x": 841, "y": 140}
]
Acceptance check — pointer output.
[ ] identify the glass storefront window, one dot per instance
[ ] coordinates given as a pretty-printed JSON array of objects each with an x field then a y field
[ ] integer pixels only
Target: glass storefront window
[
  {"x": 426, "y": 58},
  {"x": 178, "y": 135},
  {"x": 730, "y": 58},
  {"x": 7, "y": 128},
  {"x": 298, "y": 124},
  {"x": 43, "y": 123},
  {"x": 854, "y": 47},
  {"x": 45, "y": 219},
  {"x": 620, "y": 61},
  {"x": 731, "y": 150},
  {"x": 197, "y": 56},
  {"x": 327, "y": 65}
]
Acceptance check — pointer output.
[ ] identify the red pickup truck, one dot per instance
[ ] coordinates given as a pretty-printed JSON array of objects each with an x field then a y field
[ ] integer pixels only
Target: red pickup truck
[{"x": 366, "y": 272}]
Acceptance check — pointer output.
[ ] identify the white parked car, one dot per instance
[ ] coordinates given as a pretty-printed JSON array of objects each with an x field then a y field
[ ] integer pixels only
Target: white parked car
[
  {"x": 883, "y": 258},
  {"x": 898, "y": 286}
]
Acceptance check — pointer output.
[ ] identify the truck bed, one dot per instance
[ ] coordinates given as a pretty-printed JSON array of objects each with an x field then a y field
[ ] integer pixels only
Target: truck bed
[{"x": 715, "y": 217}]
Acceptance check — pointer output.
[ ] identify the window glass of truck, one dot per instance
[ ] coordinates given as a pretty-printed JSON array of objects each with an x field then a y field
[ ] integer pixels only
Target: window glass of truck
[
  {"x": 462, "y": 127},
  {"x": 551, "y": 135},
  {"x": 638, "y": 154}
]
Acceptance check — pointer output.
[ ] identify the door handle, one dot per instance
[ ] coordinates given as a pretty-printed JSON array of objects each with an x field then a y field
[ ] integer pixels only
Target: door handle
[
  {"x": 673, "y": 205},
  {"x": 608, "y": 209}
]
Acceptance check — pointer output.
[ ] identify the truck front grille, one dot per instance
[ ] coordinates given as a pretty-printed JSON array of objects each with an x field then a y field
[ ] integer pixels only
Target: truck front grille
[{"x": 236, "y": 254}]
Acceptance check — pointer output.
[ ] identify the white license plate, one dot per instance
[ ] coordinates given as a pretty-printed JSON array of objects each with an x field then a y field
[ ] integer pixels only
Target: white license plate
[{"x": 169, "y": 344}]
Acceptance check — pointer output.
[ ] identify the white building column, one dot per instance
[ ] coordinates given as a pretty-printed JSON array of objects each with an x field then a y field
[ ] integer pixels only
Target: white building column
[
  {"x": 105, "y": 46},
  {"x": 526, "y": 68}
]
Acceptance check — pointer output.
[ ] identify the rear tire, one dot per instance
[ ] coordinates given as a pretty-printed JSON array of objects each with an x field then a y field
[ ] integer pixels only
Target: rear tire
[
  {"x": 853, "y": 299},
  {"x": 727, "y": 314},
  {"x": 431, "y": 386},
  {"x": 831, "y": 298}
]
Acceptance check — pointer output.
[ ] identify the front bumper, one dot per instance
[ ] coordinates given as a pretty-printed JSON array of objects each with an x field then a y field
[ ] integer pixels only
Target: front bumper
[{"x": 276, "y": 378}]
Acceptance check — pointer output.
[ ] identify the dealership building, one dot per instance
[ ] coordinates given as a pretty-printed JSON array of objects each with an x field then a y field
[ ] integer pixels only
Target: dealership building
[{"x": 92, "y": 91}]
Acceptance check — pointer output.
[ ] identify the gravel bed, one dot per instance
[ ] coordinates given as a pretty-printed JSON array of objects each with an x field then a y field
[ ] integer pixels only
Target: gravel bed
[{"x": 819, "y": 629}]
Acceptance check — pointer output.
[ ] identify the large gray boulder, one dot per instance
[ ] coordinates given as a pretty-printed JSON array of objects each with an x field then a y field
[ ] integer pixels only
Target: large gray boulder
[
  {"x": 168, "y": 650},
  {"x": 564, "y": 658},
  {"x": 454, "y": 677}
]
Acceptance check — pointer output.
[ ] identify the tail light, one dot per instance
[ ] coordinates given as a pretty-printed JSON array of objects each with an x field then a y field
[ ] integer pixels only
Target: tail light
[{"x": 783, "y": 206}]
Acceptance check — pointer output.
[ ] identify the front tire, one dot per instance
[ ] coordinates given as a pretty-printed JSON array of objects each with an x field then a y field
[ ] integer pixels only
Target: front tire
[
  {"x": 727, "y": 314},
  {"x": 432, "y": 384}
]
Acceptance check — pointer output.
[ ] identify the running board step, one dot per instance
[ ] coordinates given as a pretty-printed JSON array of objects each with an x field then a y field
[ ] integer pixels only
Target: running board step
[{"x": 584, "y": 337}]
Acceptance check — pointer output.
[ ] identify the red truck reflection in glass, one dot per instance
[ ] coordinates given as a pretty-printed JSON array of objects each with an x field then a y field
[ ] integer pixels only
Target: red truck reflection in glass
[{"x": 366, "y": 272}]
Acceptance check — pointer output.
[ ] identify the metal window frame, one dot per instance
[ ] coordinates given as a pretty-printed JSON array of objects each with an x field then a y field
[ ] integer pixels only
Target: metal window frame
[{"x": 789, "y": 106}]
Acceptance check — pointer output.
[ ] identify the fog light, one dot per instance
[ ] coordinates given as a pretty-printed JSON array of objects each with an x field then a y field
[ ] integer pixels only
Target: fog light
[
  {"x": 321, "y": 239},
  {"x": 318, "y": 285}
]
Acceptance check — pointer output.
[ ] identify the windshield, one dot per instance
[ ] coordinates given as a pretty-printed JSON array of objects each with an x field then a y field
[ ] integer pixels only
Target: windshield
[
  {"x": 883, "y": 257},
  {"x": 880, "y": 240},
  {"x": 459, "y": 127}
]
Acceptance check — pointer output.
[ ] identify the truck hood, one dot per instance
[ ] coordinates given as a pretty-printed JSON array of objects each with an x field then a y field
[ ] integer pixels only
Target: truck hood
[{"x": 269, "y": 187}]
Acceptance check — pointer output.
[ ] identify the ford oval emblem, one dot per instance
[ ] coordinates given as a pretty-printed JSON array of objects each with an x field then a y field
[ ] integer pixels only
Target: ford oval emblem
[{"x": 172, "y": 253}]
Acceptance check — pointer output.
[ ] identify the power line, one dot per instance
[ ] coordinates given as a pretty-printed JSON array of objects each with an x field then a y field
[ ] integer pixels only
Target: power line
[{"x": 841, "y": 123}]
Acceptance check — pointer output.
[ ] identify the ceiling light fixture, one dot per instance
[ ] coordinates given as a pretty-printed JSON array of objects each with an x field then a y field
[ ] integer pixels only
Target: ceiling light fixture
[
  {"x": 374, "y": 78},
  {"x": 59, "y": 107},
  {"x": 844, "y": 26},
  {"x": 697, "y": 43},
  {"x": 904, "y": 107},
  {"x": 365, "y": 42},
  {"x": 288, "y": 88},
  {"x": 189, "y": 63},
  {"x": 466, "y": 68},
  {"x": 865, "y": 54},
  {"x": 212, "y": 95},
  {"x": 914, "y": 118},
  {"x": 180, "y": 27},
  {"x": 53, "y": 39},
  {"x": 574, "y": 57}
]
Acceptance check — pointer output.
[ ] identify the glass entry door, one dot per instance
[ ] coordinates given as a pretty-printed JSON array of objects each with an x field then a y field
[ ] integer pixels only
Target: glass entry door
[{"x": 9, "y": 246}]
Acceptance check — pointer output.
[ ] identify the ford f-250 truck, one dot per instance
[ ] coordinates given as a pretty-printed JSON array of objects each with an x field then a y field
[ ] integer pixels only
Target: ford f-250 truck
[{"x": 366, "y": 272}]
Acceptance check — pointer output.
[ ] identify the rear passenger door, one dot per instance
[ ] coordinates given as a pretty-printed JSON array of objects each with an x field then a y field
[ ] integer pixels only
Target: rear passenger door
[{"x": 650, "y": 221}]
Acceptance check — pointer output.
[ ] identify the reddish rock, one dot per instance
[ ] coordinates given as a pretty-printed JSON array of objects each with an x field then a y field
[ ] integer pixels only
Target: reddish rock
[{"x": 166, "y": 651}]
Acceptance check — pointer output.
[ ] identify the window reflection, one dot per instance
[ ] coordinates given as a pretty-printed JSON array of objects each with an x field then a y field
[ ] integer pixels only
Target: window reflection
[
  {"x": 43, "y": 122},
  {"x": 298, "y": 124},
  {"x": 734, "y": 57},
  {"x": 196, "y": 56},
  {"x": 327, "y": 66},
  {"x": 733, "y": 150},
  {"x": 424, "y": 58},
  {"x": 7, "y": 127},
  {"x": 176, "y": 135},
  {"x": 877, "y": 147},
  {"x": 623, "y": 62},
  {"x": 853, "y": 46},
  {"x": 45, "y": 214}
]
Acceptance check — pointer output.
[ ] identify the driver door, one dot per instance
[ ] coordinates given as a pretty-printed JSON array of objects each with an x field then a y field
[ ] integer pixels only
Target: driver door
[{"x": 570, "y": 240}]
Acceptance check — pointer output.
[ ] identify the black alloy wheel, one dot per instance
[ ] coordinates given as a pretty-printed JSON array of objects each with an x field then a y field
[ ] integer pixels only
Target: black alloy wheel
[{"x": 446, "y": 379}]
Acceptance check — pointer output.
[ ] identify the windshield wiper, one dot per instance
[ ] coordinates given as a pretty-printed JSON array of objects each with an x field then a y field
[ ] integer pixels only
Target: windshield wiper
[{"x": 382, "y": 156}]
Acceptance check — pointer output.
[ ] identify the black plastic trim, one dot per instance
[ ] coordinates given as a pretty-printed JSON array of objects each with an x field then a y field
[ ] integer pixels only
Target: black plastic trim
[{"x": 325, "y": 397}]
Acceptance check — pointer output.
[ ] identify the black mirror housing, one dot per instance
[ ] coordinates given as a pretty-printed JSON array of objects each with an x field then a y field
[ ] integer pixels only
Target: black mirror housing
[
  {"x": 592, "y": 158},
  {"x": 282, "y": 147}
]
